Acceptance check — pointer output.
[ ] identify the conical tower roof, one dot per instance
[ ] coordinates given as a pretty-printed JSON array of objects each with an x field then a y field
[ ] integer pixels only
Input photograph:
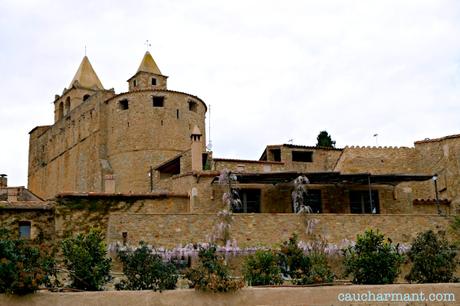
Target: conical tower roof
[
  {"x": 148, "y": 64},
  {"x": 86, "y": 76}
]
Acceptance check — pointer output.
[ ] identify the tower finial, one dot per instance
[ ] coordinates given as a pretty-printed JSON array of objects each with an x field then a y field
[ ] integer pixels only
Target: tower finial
[
  {"x": 85, "y": 50},
  {"x": 86, "y": 76}
]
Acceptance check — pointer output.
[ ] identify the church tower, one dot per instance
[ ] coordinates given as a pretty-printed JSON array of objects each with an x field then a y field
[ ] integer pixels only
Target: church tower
[
  {"x": 148, "y": 75},
  {"x": 84, "y": 84}
]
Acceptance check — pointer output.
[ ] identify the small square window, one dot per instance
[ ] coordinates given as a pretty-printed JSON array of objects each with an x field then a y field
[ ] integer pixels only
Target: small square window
[
  {"x": 192, "y": 106},
  {"x": 123, "y": 104},
  {"x": 24, "y": 229},
  {"x": 302, "y": 156},
  {"x": 154, "y": 81},
  {"x": 158, "y": 101}
]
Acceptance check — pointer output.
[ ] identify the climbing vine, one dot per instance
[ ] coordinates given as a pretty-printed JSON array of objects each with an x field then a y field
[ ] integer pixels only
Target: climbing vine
[{"x": 231, "y": 201}]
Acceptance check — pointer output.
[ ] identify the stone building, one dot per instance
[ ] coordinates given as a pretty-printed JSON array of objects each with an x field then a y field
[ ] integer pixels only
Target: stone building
[
  {"x": 135, "y": 164},
  {"x": 106, "y": 142}
]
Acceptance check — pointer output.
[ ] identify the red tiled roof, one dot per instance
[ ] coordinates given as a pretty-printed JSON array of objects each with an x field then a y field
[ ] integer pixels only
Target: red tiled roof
[{"x": 431, "y": 201}]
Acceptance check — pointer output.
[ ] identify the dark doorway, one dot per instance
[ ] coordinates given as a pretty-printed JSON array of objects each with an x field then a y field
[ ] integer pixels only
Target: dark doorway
[
  {"x": 360, "y": 203},
  {"x": 314, "y": 200},
  {"x": 250, "y": 200}
]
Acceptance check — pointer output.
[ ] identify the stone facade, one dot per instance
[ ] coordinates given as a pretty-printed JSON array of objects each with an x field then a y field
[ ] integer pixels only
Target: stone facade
[
  {"x": 136, "y": 162},
  {"x": 106, "y": 134}
]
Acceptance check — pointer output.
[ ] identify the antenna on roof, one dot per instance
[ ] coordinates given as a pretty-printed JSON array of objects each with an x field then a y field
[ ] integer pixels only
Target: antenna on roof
[
  {"x": 209, "y": 146},
  {"x": 147, "y": 44},
  {"x": 376, "y": 139}
]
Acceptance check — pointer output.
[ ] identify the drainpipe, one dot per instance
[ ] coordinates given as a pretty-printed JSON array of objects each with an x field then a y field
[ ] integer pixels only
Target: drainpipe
[
  {"x": 435, "y": 181},
  {"x": 370, "y": 192}
]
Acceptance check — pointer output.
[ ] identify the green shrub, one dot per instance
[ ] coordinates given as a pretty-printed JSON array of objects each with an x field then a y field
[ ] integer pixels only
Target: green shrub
[
  {"x": 211, "y": 273},
  {"x": 24, "y": 265},
  {"x": 262, "y": 268},
  {"x": 146, "y": 271},
  {"x": 373, "y": 260},
  {"x": 85, "y": 257},
  {"x": 320, "y": 271},
  {"x": 433, "y": 259},
  {"x": 294, "y": 263}
]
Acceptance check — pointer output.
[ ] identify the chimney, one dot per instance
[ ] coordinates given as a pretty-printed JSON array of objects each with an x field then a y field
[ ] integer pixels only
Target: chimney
[
  {"x": 3, "y": 181},
  {"x": 197, "y": 153},
  {"x": 13, "y": 194},
  {"x": 109, "y": 183}
]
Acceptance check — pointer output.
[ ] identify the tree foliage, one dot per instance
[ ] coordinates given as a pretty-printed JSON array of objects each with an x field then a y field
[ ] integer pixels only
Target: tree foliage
[
  {"x": 146, "y": 271},
  {"x": 433, "y": 259},
  {"x": 325, "y": 140},
  {"x": 85, "y": 257},
  {"x": 24, "y": 265},
  {"x": 373, "y": 260}
]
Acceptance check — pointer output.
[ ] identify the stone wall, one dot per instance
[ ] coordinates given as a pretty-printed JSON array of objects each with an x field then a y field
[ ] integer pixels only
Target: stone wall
[
  {"x": 378, "y": 160},
  {"x": 442, "y": 157},
  {"x": 240, "y": 165},
  {"x": 170, "y": 230},
  {"x": 322, "y": 159},
  {"x": 143, "y": 136},
  {"x": 66, "y": 156},
  {"x": 75, "y": 214},
  {"x": 42, "y": 220},
  {"x": 286, "y": 296}
]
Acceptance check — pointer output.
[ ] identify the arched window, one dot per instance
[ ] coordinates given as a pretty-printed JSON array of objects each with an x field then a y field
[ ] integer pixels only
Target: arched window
[
  {"x": 61, "y": 110},
  {"x": 67, "y": 106},
  {"x": 86, "y": 97}
]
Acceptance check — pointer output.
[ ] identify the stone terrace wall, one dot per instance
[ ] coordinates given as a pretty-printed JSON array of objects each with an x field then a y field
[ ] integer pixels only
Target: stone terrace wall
[
  {"x": 170, "y": 230},
  {"x": 318, "y": 296}
]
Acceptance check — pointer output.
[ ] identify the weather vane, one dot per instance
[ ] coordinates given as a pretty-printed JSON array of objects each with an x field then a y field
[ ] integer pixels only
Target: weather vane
[{"x": 147, "y": 44}]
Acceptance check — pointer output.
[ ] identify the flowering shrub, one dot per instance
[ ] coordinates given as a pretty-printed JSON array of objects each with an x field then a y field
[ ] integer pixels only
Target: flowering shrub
[
  {"x": 24, "y": 265},
  {"x": 85, "y": 257},
  {"x": 433, "y": 259},
  {"x": 373, "y": 260},
  {"x": 146, "y": 271},
  {"x": 262, "y": 268},
  {"x": 211, "y": 273}
]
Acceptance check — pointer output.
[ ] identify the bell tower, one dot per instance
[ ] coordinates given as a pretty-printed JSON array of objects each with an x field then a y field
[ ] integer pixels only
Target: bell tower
[
  {"x": 83, "y": 86},
  {"x": 148, "y": 75}
]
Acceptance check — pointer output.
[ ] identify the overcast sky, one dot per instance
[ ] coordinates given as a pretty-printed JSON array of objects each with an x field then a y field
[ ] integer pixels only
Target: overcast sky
[{"x": 272, "y": 70}]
